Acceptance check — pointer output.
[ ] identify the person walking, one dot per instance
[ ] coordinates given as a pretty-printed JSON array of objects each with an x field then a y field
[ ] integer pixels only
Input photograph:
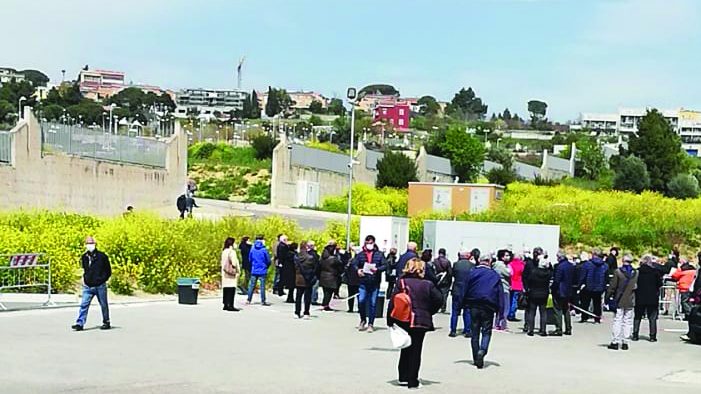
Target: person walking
[
  {"x": 230, "y": 269},
  {"x": 369, "y": 264},
  {"x": 622, "y": 292},
  {"x": 516, "y": 265},
  {"x": 329, "y": 270},
  {"x": 563, "y": 278},
  {"x": 444, "y": 275},
  {"x": 96, "y": 272},
  {"x": 501, "y": 267},
  {"x": 245, "y": 249},
  {"x": 391, "y": 274},
  {"x": 593, "y": 285},
  {"x": 425, "y": 302},
  {"x": 461, "y": 270},
  {"x": 483, "y": 297},
  {"x": 306, "y": 268},
  {"x": 538, "y": 293},
  {"x": 260, "y": 262},
  {"x": 647, "y": 297}
]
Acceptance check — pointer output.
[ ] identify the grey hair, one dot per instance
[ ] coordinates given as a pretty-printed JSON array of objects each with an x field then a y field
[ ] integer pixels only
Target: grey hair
[{"x": 628, "y": 258}]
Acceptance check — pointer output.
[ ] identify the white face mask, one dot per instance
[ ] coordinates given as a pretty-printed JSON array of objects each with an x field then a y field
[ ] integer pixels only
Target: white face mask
[{"x": 90, "y": 247}]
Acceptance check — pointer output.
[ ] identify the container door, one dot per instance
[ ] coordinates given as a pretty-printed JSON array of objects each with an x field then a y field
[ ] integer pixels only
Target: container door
[
  {"x": 479, "y": 199},
  {"x": 313, "y": 194}
]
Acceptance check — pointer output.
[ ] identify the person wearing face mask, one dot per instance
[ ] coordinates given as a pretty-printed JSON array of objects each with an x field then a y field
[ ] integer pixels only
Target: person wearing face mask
[
  {"x": 369, "y": 263},
  {"x": 97, "y": 271}
]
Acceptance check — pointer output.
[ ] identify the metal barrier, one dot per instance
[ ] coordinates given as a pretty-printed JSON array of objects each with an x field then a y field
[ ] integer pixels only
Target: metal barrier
[
  {"x": 5, "y": 146},
  {"x": 670, "y": 301},
  {"x": 23, "y": 271},
  {"x": 99, "y": 144}
]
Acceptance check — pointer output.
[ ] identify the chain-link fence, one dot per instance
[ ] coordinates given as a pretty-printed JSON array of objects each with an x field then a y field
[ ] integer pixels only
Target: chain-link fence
[
  {"x": 5, "y": 147},
  {"x": 98, "y": 144}
]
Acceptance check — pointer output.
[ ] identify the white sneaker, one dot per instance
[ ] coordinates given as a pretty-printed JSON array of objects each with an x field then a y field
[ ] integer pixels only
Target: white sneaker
[
  {"x": 306, "y": 317},
  {"x": 362, "y": 327}
]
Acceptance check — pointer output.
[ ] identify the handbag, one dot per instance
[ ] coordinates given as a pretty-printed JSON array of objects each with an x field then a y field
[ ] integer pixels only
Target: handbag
[{"x": 400, "y": 338}]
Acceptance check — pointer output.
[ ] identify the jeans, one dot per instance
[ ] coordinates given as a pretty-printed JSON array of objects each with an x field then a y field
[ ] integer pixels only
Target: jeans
[
  {"x": 410, "y": 358},
  {"x": 482, "y": 320},
  {"x": 622, "y": 325},
  {"x": 588, "y": 297},
  {"x": 503, "y": 312},
  {"x": 88, "y": 294},
  {"x": 457, "y": 309},
  {"x": 561, "y": 307},
  {"x": 444, "y": 292},
  {"x": 252, "y": 285},
  {"x": 352, "y": 290},
  {"x": 515, "y": 294},
  {"x": 315, "y": 292},
  {"x": 651, "y": 311},
  {"x": 367, "y": 302},
  {"x": 307, "y": 292},
  {"x": 540, "y": 307}
]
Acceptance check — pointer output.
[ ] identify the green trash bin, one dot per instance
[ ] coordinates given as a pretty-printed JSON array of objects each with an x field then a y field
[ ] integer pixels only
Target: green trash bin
[{"x": 188, "y": 288}]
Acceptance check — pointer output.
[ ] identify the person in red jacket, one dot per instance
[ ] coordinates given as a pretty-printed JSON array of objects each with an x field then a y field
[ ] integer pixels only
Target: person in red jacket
[
  {"x": 516, "y": 266},
  {"x": 684, "y": 277}
]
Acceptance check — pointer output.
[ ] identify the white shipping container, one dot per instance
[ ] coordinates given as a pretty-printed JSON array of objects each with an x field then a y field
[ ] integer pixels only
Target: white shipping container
[
  {"x": 489, "y": 237},
  {"x": 389, "y": 231}
]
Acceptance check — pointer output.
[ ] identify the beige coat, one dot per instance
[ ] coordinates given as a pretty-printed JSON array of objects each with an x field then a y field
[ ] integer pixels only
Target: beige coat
[{"x": 227, "y": 280}]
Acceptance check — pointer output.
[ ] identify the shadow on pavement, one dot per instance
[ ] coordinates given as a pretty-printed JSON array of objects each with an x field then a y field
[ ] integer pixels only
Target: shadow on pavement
[
  {"x": 382, "y": 349},
  {"x": 487, "y": 363},
  {"x": 424, "y": 382}
]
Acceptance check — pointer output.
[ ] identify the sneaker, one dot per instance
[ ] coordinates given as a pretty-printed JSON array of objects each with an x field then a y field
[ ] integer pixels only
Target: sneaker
[
  {"x": 371, "y": 329},
  {"x": 685, "y": 338},
  {"x": 362, "y": 326},
  {"x": 453, "y": 334},
  {"x": 467, "y": 335},
  {"x": 402, "y": 383},
  {"x": 77, "y": 327},
  {"x": 624, "y": 346},
  {"x": 479, "y": 360},
  {"x": 306, "y": 317},
  {"x": 613, "y": 346},
  {"x": 105, "y": 326}
]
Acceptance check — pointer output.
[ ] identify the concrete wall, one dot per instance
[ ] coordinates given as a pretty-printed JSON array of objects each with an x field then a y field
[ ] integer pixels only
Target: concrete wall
[{"x": 59, "y": 181}]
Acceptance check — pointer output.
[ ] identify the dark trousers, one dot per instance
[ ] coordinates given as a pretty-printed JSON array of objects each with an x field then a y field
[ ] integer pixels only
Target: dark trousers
[
  {"x": 246, "y": 280},
  {"x": 307, "y": 292},
  {"x": 352, "y": 290},
  {"x": 685, "y": 304},
  {"x": 328, "y": 294},
  {"x": 228, "y": 298},
  {"x": 587, "y": 297},
  {"x": 290, "y": 293},
  {"x": 540, "y": 307},
  {"x": 410, "y": 358},
  {"x": 444, "y": 293},
  {"x": 651, "y": 311},
  {"x": 561, "y": 307},
  {"x": 390, "y": 289},
  {"x": 482, "y": 322}
]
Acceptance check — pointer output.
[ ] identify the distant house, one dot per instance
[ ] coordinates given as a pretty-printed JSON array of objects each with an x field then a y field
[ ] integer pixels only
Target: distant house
[{"x": 395, "y": 113}]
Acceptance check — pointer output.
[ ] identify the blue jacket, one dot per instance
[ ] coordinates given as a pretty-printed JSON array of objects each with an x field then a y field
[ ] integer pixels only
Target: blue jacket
[
  {"x": 593, "y": 275},
  {"x": 483, "y": 289},
  {"x": 563, "y": 279},
  {"x": 378, "y": 259},
  {"x": 461, "y": 270},
  {"x": 403, "y": 259},
  {"x": 260, "y": 259}
]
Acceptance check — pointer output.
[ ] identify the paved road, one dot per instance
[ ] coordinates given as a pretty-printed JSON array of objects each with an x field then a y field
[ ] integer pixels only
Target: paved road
[{"x": 169, "y": 348}]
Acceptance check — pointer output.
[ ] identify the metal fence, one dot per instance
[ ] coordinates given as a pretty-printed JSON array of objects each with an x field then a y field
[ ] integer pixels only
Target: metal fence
[
  {"x": 99, "y": 144},
  {"x": 5, "y": 147}
]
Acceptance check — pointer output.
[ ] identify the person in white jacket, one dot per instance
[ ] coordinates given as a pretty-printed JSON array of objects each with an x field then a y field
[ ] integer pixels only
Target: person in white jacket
[{"x": 230, "y": 269}]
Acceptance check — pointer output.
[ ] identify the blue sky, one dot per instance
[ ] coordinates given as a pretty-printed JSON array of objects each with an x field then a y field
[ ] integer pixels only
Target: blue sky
[{"x": 578, "y": 56}]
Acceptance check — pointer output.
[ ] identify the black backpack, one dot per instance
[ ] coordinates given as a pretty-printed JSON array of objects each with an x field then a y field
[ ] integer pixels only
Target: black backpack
[{"x": 181, "y": 203}]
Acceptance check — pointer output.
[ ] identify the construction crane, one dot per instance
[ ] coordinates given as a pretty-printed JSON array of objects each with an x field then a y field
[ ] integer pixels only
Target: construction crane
[{"x": 238, "y": 71}]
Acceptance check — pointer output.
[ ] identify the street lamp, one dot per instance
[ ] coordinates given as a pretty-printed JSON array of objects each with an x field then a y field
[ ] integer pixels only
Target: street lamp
[
  {"x": 19, "y": 108},
  {"x": 111, "y": 108},
  {"x": 352, "y": 95}
]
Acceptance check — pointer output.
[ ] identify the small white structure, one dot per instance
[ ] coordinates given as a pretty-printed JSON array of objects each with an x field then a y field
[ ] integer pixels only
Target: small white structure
[
  {"x": 307, "y": 194},
  {"x": 489, "y": 237},
  {"x": 389, "y": 231}
]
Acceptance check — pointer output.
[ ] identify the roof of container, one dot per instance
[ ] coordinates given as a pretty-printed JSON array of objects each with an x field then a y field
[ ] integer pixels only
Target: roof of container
[{"x": 457, "y": 184}]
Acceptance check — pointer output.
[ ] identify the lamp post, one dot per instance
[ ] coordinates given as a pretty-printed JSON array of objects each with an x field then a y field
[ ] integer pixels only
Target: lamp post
[
  {"x": 111, "y": 108},
  {"x": 351, "y": 94},
  {"x": 19, "y": 108}
]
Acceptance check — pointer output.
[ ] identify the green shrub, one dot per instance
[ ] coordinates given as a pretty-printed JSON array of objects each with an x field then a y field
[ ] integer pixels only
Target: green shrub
[
  {"x": 259, "y": 193},
  {"x": 631, "y": 175},
  {"x": 502, "y": 176},
  {"x": 370, "y": 201},
  {"x": 683, "y": 186},
  {"x": 395, "y": 169},
  {"x": 263, "y": 146}
]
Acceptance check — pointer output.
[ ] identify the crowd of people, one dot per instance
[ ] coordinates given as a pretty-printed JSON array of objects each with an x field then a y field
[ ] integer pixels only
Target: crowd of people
[{"x": 487, "y": 289}]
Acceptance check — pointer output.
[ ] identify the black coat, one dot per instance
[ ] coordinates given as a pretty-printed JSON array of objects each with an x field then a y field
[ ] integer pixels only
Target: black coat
[
  {"x": 329, "y": 270},
  {"x": 245, "y": 249},
  {"x": 426, "y": 301},
  {"x": 286, "y": 258},
  {"x": 96, "y": 267},
  {"x": 352, "y": 278},
  {"x": 649, "y": 282},
  {"x": 539, "y": 285}
]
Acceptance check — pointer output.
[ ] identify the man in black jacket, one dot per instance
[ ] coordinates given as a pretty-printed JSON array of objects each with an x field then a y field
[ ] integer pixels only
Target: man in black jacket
[{"x": 97, "y": 270}]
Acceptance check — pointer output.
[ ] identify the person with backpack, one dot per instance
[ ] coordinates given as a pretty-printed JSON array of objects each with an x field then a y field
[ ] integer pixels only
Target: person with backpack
[
  {"x": 483, "y": 296},
  {"x": 260, "y": 262},
  {"x": 229, "y": 274},
  {"x": 593, "y": 284},
  {"x": 647, "y": 297},
  {"x": 306, "y": 268},
  {"x": 622, "y": 293},
  {"x": 461, "y": 269},
  {"x": 369, "y": 263},
  {"x": 444, "y": 275},
  {"x": 411, "y": 307}
]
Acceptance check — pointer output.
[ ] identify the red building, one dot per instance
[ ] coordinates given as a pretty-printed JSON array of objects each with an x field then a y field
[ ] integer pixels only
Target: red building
[{"x": 396, "y": 113}]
